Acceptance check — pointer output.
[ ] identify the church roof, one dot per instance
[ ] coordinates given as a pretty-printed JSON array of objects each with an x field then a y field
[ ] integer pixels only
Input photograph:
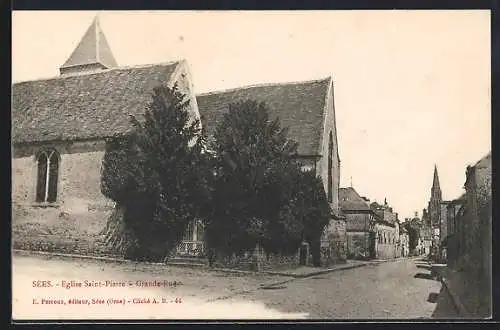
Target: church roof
[
  {"x": 301, "y": 107},
  {"x": 350, "y": 200},
  {"x": 93, "y": 48},
  {"x": 84, "y": 106}
]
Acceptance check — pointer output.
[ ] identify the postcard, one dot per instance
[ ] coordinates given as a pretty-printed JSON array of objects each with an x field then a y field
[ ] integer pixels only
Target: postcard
[{"x": 253, "y": 165}]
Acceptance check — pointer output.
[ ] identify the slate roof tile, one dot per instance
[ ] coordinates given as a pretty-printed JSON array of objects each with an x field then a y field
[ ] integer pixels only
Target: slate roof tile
[
  {"x": 84, "y": 106},
  {"x": 300, "y": 107}
]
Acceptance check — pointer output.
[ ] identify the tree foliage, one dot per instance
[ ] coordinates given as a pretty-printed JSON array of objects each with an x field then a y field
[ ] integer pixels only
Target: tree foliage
[
  {"x": 261, "y": 196},
  {"x": 413, "y": 229},
  {"x": 158, "y": 175}
]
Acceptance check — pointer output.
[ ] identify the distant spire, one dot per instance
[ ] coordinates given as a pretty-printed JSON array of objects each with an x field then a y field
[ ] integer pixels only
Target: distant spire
[
  {"x": 91, "y": 53},
  {"x": 385, "y": 201},
  {"x": 435, "y": 181},
  {"x": 351, "y": 181}
]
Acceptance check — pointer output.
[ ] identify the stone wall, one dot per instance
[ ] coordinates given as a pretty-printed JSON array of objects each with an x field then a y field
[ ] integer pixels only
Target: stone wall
[
  {"x": 334, "y": 243},
  {"x": 257, "y": 260},
  {"x": 52, "y": 230},
  {"x": 74, "y": 221}
]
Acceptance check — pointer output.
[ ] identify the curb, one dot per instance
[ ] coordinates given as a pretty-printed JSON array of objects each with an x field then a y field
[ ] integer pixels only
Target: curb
[
  {"x": 456, "y": 301},
  {"x": 319, "y": 272},
  {"x": 326, "y": 271},
  {"x": 298, "y": 276}
]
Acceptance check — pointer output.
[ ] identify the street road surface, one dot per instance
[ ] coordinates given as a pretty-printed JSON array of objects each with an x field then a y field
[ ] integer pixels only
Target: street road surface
[
  {"x": 401, "y": 289},
  {"x": 397, "y": 289}
]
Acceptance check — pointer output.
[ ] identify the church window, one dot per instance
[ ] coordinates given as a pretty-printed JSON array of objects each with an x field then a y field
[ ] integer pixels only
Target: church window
[{"x": 47, "y": 176}]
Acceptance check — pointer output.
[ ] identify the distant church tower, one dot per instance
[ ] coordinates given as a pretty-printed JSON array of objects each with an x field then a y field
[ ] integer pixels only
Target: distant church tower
[
  {"x": 435, "y": 201},
  {"x": 92, "y": 53}
]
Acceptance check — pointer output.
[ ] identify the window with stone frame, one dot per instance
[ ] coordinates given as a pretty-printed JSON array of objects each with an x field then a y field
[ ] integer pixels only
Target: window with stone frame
[{"x": 47, "y": 176}]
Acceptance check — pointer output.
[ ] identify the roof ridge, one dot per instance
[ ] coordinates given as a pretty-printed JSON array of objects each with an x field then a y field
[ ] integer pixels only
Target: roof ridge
[
  {"x": 118, "y": 68},
  {"x": 222, "y": 91}
]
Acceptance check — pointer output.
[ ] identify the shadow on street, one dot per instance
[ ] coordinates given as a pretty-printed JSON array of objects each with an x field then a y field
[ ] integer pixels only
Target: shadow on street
[
  {"x": 425, "y": 276},
  {"x": 445, "y": 309}
]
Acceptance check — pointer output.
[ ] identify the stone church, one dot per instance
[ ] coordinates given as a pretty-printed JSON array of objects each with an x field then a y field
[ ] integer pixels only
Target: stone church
[{"x": 60, "y": 127}]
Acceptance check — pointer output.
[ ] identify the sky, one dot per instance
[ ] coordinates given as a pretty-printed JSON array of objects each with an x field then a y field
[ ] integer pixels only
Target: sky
[{"x": 411, "y": 88}]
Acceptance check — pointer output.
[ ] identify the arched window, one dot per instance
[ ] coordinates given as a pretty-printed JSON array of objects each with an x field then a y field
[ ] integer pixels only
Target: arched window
[
  {"x": 47, "y": 176},
  {"x": 330, "y": 168}
]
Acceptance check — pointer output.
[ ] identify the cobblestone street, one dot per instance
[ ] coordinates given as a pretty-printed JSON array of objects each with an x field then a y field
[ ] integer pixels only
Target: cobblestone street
[
  {"x": 399, "y": 289},
  {"x": 394, "y": 289}
]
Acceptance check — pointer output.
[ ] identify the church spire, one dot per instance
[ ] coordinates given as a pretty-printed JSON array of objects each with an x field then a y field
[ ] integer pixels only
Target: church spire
[
  {"x": 92, "y": 52},
  {"x": 435, "y": 181},
  {"x": 436, "y": 198}
]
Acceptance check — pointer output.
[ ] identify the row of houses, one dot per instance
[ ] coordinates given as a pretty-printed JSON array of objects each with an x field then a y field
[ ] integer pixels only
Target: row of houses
[
  {"x": 373, "y": 231},
  {"x": 462, "y": 236}
]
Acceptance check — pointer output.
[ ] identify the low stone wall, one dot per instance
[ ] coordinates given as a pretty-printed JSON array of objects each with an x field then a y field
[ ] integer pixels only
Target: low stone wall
[
  {"x": 53, "y": 230},
  {"x": 278, "y": 261},
  {"x": 242, "y": 262},
  {"x": 257, "y": 260},
  {"x": 53, "y": 243}
]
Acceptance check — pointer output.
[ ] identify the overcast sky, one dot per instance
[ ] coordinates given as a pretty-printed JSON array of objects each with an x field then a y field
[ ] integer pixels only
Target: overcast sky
[{"x": 412, "y": 88}]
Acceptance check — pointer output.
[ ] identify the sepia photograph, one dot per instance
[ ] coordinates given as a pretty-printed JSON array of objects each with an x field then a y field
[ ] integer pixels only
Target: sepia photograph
[{"x": 251, "y": 165}]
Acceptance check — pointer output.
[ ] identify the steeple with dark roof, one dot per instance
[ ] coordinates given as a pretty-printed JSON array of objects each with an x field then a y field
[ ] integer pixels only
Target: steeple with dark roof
[
  {"x": 436, "y": 199},
  {"x": 435, "y": 181},
  {"x": 92, "y": 52}
]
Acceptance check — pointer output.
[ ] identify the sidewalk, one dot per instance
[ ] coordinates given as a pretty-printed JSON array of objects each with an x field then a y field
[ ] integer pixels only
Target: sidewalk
[
  {"x": 299, "y": 272},
  {"x": 307, "y": 271},
  {"x": 456, "y": 285}
]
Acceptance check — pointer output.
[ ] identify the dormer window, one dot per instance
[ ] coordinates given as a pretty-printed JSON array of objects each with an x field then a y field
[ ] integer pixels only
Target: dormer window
[{"x": 47, "y": 176}]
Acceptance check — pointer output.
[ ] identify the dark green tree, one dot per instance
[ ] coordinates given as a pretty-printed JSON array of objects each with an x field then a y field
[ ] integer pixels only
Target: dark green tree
[
  {"x": 261, "y": 196},
  {"x": 157, "y": 176},
  {"x": 249, "y": 149}
]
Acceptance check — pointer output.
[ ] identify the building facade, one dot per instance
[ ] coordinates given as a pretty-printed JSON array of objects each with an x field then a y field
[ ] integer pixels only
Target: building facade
[
  {"x": 470, "y": 240},
  {"x": 386, "y": 232},
  {"x": 404, "y": 240},
  {"x": 360, "y": 224}
]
